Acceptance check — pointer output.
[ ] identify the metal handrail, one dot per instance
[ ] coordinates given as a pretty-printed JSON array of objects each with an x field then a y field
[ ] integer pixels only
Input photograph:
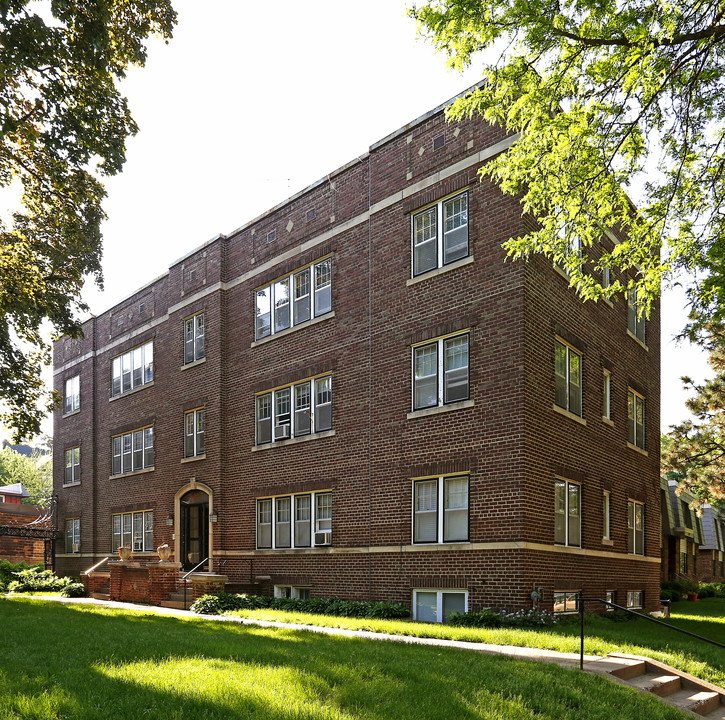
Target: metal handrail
[
  {"x": 97, "y": 565},
  {"x": 186, "y": 582},
  {"x": 581, "y": 602}
]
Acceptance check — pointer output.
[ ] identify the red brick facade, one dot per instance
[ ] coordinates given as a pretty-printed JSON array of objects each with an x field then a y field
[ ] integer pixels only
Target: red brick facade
[
  {"x": 507, "y": 438},
  {"x": 14, "y": 548}
]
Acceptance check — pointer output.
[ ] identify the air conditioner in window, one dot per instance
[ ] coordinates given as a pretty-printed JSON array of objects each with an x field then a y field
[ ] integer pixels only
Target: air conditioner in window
[
  {"x": 281, "y": 432},
  {"x": 323, "y": 538},
  {"x": 76, "y": 547}
]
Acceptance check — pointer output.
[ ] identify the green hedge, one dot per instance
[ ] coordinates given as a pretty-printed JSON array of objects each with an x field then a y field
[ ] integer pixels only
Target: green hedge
[
  {"x": 490, "y": 618},
  {"x": 223, "y": 602},
  {"x": 35, "y": 579},
  {"x": 8, "y": 570}
]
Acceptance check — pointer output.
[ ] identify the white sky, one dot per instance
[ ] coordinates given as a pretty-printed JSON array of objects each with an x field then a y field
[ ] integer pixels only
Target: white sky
[{"x": 250, "y": 103}]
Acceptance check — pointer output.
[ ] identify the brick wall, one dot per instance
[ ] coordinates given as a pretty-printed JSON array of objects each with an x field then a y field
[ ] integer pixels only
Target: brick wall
[{"x": 506, "y": 438}]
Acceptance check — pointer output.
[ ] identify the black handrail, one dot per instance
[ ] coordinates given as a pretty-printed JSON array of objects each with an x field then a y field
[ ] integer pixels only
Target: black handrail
[
  {"x": 581, "y": 602},
  {"x": 186, "y": 582}
]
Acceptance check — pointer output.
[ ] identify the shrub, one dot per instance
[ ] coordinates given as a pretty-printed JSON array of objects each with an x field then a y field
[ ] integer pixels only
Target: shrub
[
  {"x": 8, "y": 570},
  {"x": 36, "y": 579},
  {"x": 73, "y": 589},
  {"x": 491, "y": 618},
  {"x": 216, "y": 604}
]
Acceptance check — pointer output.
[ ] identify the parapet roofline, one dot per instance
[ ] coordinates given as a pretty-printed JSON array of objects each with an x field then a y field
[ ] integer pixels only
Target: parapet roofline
[{"x": 220, "y": 236}]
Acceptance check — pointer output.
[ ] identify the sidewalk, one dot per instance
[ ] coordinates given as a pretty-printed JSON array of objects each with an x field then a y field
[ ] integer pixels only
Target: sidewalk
[{"x": 592, "y": 663}]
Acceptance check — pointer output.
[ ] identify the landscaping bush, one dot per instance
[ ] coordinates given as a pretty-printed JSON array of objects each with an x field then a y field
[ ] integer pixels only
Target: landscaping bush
[
  {"x": 8, "y": 570},
  {"x": 490, "y": 618},
  {"x": 35, "y": 579},
  {"x": 72, "y": 590},
  {"x": 216, "y": 604}
]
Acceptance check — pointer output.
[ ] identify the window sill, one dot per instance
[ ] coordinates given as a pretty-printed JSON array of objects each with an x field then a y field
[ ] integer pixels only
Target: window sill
[
  {"x": 636, "y": 339},
  {"x": 607, "y": 421},
  {"x": 561, "y": 272},
  {"x": 608, "y": 541},
  {"x": 132, "y": 473},
  {"x": 637, "y": 449},
  {"x": 569, "y": 415},
  {"x": 294, "y": 441},
  {"x": 608, "y": 301},
  {"x": 200, "y": 361},
  {"x": 439, "y": 271},
  {"x": 72, "y": 484},
  {"x": 425, "y": 412},
  {"x": 193, "y": 458},
  {"x": 294, "y": 328},
  {"x": 443, "y": 543},
  {"x": 131, "y": 392},
  {"x": 71, "y": 413}
]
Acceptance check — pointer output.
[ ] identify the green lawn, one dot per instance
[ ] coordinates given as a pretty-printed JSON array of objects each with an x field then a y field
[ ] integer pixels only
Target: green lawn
[
  {"x": 638, "y": 637},
  {"x": 74, "y": 661}
]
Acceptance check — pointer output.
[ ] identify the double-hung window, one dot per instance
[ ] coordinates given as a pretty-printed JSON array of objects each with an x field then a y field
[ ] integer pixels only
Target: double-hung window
[
  {"x": 72, "y": 535},
  {"x": 635, "y": 527},
  {"x": 294, "y": 521},
  {"x": 440, "y": 372},
  {"x": 567, "y": 513},
  {"x": 132, "y": 369},
  {"x": 293, "y": 411},
  {"x": 568, "y": 378},
  {"x": 134, "y": 530},
  {"x": 635, "y": 316},
  {"x": 194, "y": 338},
  {"x": 635, "y": 419},
  {"x": 440, "y": 509},
  {"x": 72, "y": 398},
  {"x": 440, "y": 234},
  {"x": 194, "y": 433},
  {"x": 72, "y": 466},
  {"x": 294, "y": 299},
  {"x": 607, "y": 395},
  {"x": 132, "y": 451},
  {"x": 606, "y": 515}
]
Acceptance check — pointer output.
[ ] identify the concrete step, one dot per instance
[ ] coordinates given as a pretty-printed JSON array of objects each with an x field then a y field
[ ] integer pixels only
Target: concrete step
[
  {"x": 100, "y": 595},
  {"x": 717, "y": 714},
  {"x": 661, "y": 685},
  {"x": 695, "y": 700},
  {"x": 176, "y": 604},
  {"x": 630, "y": 669}
]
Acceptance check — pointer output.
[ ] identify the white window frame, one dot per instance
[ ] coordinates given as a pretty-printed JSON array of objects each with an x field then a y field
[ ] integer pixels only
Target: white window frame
[
  {"x": 290, "y": 417},
  {"x": 635, "y": 537},
  {"x": 72, "y": 397},
  {"x": 566, "y": 512},
  {"x": 295, "y": 592},
  {"x": 440, "y": 346},
  {"x": 318, "y": 299},
  {"x": 194, "y": 432},
  {"x": 136, "y": 363},
  {"x": 635, "y": 402},
  {"x": 635, "y": 599},
  {"x": 320, "y": 520},
  {"x": 439, "y": 600},
  {"x": 606, "y": 515},
  {"x": 194, "y": 338},
  {"x": 72, "y": 465},
  {"x": 440, "y": 510},
  {"x": 127, "y": 445},
  {"x": 568, "y": 403},
  {"x": 437, "y": 211},
  {"x": 610, "y": 596},
  {"x": 128, "y": 534},
  {"x": 72, "y": 535},
  {"x": 636, "y": 321},
  {"x": 607, "y": 394}
]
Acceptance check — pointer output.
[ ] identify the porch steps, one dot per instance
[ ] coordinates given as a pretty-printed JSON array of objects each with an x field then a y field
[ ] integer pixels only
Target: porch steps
[
  {"x": 176, "y": 599},
  {"x": 100, "y": 595},
  {"x": 674, "y": 687}
]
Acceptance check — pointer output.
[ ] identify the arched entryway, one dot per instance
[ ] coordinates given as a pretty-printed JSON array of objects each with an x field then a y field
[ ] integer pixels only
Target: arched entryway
[{"x": 193, "y": 529}]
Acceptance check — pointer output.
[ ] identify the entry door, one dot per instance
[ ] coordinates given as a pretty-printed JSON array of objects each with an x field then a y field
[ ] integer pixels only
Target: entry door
[{"x": 194, "y": 533}]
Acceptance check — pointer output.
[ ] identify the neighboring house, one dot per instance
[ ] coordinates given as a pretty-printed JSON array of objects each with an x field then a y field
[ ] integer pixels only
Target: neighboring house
[
  {"x": 355, "y": 395},
  {"x": 13, "y": 494},
  {"x": 682, "y": 534},
  {"x": 711, "y": 556}
]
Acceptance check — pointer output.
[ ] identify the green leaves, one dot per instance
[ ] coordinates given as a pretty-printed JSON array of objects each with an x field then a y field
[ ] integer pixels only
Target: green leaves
[
  {"x": 61, "y": 116},
  {"x": 607, "y": 97}
]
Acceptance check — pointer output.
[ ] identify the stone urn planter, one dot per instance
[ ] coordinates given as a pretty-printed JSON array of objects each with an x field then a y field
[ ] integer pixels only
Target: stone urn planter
[
  {"x": 124, "y": 552},
  {"x": 164, "y": 552}
]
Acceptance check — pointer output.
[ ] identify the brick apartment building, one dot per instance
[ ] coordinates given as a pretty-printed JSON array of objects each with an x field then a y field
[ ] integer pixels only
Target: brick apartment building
[{"x": 353, "y": 394}]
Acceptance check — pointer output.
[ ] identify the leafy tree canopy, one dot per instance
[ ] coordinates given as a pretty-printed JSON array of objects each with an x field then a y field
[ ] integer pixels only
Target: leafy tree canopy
[
  {"x": 34, "y": 471},
  {"x": 695, "y": 450},
  {"x": 63, "y": 125},
  {"x": 606, "y": 95}
]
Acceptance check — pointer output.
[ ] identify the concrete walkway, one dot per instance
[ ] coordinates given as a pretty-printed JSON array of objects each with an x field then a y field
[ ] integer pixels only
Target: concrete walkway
[{"x": 570, "y": 660}]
